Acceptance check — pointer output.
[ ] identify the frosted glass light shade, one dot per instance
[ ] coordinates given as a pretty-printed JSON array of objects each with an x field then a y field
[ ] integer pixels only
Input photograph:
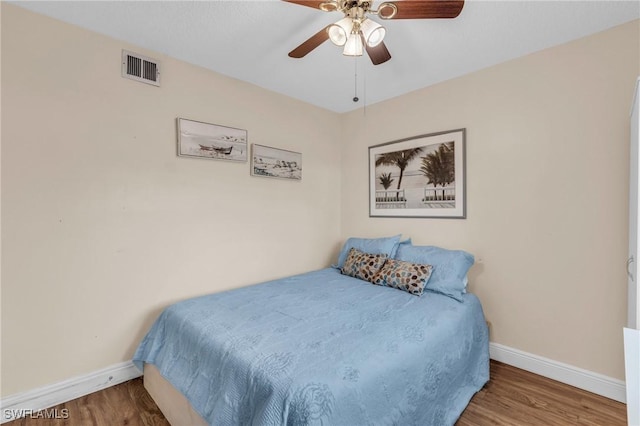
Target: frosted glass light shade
[
  {"x": 353, "y": 46},
  {"x": 373, "y": 32},
  {"x": 339, "y": 32}
]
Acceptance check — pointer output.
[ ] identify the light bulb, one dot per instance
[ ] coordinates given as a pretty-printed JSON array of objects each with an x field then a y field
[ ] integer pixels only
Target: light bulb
[
  {"x": 353, "y": 46},
  {"x": 373, "y": 32},
  {"x": 339, "y": 32}
]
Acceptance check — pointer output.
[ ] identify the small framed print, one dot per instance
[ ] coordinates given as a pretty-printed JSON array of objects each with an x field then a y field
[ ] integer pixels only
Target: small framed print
[
  {"x": 203, "y": 140},
  {"x": 275, "y": 163}
]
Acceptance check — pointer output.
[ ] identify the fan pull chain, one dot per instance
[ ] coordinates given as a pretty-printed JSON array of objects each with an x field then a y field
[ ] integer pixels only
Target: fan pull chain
[
  {"x": 355, "y": 85},
  {"x": 364, "y": 89}
]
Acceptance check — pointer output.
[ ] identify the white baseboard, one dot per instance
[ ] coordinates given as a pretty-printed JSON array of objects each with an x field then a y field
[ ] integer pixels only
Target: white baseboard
[
  {"x": 565, "y": 373},
  {"x": 31, "y": 402}
]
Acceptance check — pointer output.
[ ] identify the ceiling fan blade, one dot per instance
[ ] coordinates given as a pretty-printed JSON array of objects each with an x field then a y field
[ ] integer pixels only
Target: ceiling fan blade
[
  {"x": 314, "y": 41},
  {"x": 309, "y": 3},
  {"x": 423, "y": 9},
  {"x": 378, "y": 54}
]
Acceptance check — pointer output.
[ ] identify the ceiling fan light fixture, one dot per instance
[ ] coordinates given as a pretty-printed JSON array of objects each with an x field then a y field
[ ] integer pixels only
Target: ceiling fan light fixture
[
  {"x": 353, "y": 46},
  {"x": 339, "y": 32},
  {"x": 373, "y": 32}
]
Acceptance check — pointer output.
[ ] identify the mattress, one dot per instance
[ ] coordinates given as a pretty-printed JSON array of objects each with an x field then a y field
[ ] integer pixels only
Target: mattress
[{"x": 322, "y": 348}]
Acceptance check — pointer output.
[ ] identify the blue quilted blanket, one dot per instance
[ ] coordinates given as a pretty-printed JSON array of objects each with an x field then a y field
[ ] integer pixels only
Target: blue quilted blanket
[{"x": 322, "y": 348}]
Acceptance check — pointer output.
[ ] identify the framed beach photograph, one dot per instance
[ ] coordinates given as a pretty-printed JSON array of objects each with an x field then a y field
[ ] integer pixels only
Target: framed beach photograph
[
  {"x": 275, "y": 163},
  {"x": 203, "y": 140},
  {"x": 421, "y": 176}
]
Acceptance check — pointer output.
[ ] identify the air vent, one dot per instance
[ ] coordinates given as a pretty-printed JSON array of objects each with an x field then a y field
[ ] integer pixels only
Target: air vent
[{"x": 140, "y": 68}]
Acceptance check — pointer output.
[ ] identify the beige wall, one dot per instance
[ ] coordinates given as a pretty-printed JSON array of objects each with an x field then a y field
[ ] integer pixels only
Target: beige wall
[
  {"x": 103, "y": 224},
  {"x": 547, "y": 171}
]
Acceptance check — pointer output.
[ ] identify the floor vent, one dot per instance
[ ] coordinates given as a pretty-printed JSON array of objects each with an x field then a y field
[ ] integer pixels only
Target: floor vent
[{"x": 140, "y": 68}]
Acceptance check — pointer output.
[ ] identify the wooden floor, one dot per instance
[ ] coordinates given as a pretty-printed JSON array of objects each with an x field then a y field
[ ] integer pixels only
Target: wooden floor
[
  {"x": 512, "y": 397},
  {"x": 517, "y": 397}
]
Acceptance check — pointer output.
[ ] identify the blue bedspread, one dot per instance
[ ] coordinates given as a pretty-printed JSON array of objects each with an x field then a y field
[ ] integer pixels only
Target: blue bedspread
[{"x": 322, "y": 348}]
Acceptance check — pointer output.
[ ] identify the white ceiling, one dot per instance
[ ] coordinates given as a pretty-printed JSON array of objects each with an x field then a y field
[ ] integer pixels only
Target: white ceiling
[{"x": 249, "y": 40}]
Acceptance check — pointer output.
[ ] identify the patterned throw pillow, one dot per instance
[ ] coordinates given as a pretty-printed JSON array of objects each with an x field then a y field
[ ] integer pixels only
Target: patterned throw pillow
[
  {"x": 410, "y": 277},
  {"x": 362, "y": 265}
]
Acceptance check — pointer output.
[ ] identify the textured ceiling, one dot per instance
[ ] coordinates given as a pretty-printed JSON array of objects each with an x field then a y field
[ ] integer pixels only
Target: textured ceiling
[{"x": 249, "y": 40}]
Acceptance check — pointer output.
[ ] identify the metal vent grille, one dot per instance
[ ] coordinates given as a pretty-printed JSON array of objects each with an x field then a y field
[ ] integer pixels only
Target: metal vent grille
[{"x": 140, "y": 68}]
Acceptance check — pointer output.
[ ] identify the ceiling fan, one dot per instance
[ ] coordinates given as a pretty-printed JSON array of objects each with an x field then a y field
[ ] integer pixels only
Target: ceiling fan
[{"x": 357, "y": 31}]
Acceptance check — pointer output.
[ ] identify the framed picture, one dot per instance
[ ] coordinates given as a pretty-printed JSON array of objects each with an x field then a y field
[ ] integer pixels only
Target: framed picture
[
  {"x": 421, "y": 176},
  {"x": 203, "y": 140},
  {"x": 276, "y": 163}
]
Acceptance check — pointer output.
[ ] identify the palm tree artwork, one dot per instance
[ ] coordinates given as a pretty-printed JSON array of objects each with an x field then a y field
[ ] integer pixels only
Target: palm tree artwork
[
  {"x": 400, "y": 159},
  {"x": 386, "y": 180},
  {"x": 439, "y": 166},
  {"x": 421, "y": 176}
]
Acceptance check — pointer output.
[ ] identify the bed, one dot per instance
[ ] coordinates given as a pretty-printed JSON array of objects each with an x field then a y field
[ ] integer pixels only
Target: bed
[{"x": 316, "y": 348}]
